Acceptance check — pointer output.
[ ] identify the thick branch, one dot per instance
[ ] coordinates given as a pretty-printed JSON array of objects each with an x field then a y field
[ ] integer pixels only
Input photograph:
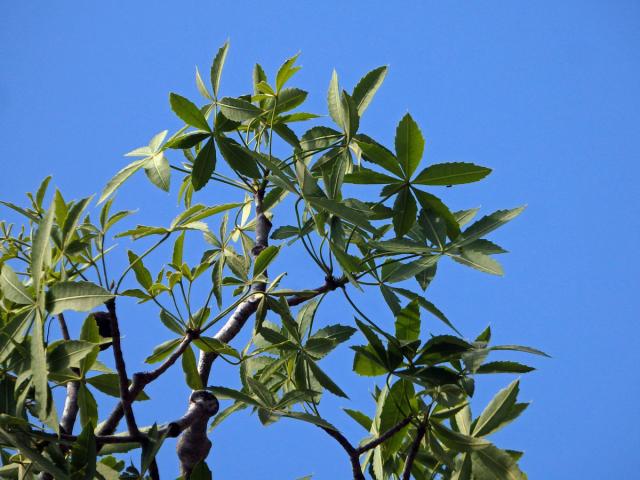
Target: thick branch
[
  {"x": 172, "y": 429},
  {"x": 247, "y": 308},
  {"x": 413, "y": 451},
  {"x": 193, "y": 446}
]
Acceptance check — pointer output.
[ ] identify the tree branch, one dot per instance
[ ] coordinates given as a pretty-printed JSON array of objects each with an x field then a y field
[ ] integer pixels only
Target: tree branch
[
  {"x": 247, "y": 308},
  {"x": 70, "y": 411},
  {"x": 141, "y": 380},
  {"x": 121, "y": 368},
  {"x": 330, "y": 284},
  {"x": 384, "y": 436},
  {"x": 351, "y": 451},
  {"x": 413, "y": 451}
]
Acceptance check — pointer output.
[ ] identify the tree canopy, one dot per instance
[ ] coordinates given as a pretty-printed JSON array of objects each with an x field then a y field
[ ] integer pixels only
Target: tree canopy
[{"x": 368, "y": 217}]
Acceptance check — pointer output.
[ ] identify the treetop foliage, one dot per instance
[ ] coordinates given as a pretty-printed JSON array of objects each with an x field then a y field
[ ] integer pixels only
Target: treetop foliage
[{"x": 368, "y": 217}]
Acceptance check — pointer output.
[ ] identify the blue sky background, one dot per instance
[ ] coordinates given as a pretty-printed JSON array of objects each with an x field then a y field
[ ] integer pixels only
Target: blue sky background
[{"x": 545, "y": 93}]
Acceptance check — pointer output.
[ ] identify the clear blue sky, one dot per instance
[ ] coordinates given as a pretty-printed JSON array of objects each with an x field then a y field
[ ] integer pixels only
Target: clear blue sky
[{"x": 546, "y": 93}]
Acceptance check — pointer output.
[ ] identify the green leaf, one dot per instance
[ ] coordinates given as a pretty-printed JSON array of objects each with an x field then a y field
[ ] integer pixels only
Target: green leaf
[
  {"x": 224, "y": 392},
  {"x": 286, "y": 71},
  {"x": 455, "y": 173},
  {"x": 404, "y": 212},
  {"x": 307, "y": 417},
  {"x": 365, "y": 176},
  {"x": 210, "y": 344},
  {"x": 88, "y": 406},
  {"x": 157, "y": 169},
  {"x": 434, "y": 204},
  {"x": 408, "y": 322},
  {"x": 190, "y": 369},
  {"x": 504, "y": 367},
  {"x": 201, "y": 86},
  {"x": 109, "y": 384},
  {"x": 78, "y": 296},
  {"x": 23, "y": 445},
  {"x": 409, "y": 145},
  {"x": 362, "y": 419},
  {"x": 264, "y": 259},
  {"x": 520, "y": 348},
  {"x": 238, "y": 110},
  {"x": 188, "y": 112},
  {"x": 375, "y": 153},
  {"x": 38, "y": 364},
  {"x": 41, "y": 250},
  {"x": 141, "y": 272},
  {"x": 487, "y": 224},
  {"x": 187, "y": 140},
  {"x": 458, "y": 441},
  {"x": 151, "y": 448},
  {"x": 203, "y": 165},
  {"x": 238, "y": 157},
  {"x": 69, "y": 354},
  {"x": 497, "y": 410},
  {"x": 163, "y": 350},
  {"x": 325, "y": 380},
  {"x": 367, "y": 87},
  {"x": 351, "y": 118},
  {"x": 479, "y": 261},
  {"x": 334, "y": 101},
  {"x": 119, "y": 178},
  {"x": 397, "y": 405},
  {"x": 216, "y": 67},
  {"x": 367, "y": 363},
  {"x": 491, "y": 463},
  {"x": 290, "y": 98},
  {"x": 12, "y": 288}
]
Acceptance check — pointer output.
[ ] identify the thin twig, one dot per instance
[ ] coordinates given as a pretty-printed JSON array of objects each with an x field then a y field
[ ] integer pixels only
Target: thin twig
[
  {"x": 121, "y": 368},
  {"x": 384, "y": 436}
]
